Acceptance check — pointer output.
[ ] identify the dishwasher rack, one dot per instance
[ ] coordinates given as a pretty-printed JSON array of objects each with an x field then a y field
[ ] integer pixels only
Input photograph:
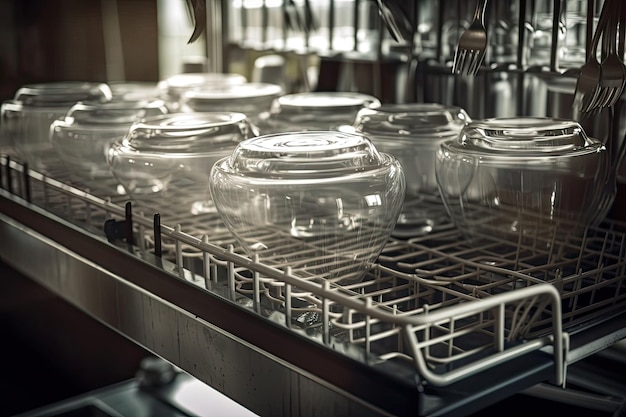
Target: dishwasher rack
[{"x": 444, "y": 308}]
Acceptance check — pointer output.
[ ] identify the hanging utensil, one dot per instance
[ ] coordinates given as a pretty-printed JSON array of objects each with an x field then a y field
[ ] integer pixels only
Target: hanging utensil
[
  {"x": 197, "y": 11},
  {"x": 396, "y": 20},
  {"x": 470, "y": 50}
]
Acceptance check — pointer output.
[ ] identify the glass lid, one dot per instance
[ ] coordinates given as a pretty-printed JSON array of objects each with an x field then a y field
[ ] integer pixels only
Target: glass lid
[
  {"x": 412, "y": 120},
  {"x": 342, "y": 101},
  {"x": 190, "y": 80},
  {"x": 196, "y": 133},
  {"x": 62, "y": 93},
  {"x": 228, "y": 93},
  {"x": 311, "y": 154},
  {"x": 113, "y": 112},
  {"x": 525, "y": 137}
]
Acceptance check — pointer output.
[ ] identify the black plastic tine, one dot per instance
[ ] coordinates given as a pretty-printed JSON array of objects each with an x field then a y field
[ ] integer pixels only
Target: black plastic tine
[
  {"x": 8, "y": 175},
  {"x": 157, "y": 235},
  {"x": 128, "y": 224},
  {"x": 26, "y": 177}
]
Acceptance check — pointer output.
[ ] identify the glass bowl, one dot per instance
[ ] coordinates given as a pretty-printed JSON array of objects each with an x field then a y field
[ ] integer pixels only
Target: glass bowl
[
  {"x": 26, "y": 119},
  {"x": 314, "y": 111},
  {"x": 172, "y": 88},
  {"x": 522, "y": 178},
  {"x": 176, "y": 151},
  {"x": 322, "y": 202},
  {"x": 412, "y": 133},
  {"x": 82, "y": 138},
  {"x": 252, "y": 99}
]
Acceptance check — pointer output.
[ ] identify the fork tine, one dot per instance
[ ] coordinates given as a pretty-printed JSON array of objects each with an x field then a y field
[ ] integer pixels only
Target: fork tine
[
  {"x": 617, "y": 92},
  {"x": 477, "y": 59},
  {"x": 587, "y": 101},
  {"x": 459, "y": 60},
  {"x": 609, "y": 100},
  {"x": 595, "y": 98},
  {"x": 468, "y": 61},
  {"x": 603, "y": 97},
  {"x": 456, "y": 61}
]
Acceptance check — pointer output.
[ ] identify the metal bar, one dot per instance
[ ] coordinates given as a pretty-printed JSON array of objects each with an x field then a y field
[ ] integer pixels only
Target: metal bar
[
  {"x": 265, "y": 22},
  {"x": 331, "y": 24},
  {"x": 521, "y": 59},
  {"x": 554, "y": 46},
  {"x": 591, "y": 14},
  {"x": 441, "y": 5},
  {"x": 357, "y": 24}
]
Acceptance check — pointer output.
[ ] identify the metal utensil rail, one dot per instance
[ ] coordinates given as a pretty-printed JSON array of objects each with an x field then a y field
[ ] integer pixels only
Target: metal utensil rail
[{"x": 449, "y": 308}]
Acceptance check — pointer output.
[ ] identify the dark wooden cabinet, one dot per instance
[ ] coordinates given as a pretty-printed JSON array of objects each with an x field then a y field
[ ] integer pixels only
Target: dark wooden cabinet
[{"x": 59, "y": 40}]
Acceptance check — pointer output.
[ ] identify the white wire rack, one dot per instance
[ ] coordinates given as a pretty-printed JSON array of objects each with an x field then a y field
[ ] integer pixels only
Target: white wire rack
[{"x": 447, "y": 306}]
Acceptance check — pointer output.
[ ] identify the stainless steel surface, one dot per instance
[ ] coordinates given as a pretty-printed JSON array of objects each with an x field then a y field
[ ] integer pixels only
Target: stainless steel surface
[{"x": 180, "y": 396}]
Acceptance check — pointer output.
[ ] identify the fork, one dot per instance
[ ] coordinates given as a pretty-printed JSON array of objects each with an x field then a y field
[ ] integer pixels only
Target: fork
[
  {"x": 613, "y": 72},
  {"x": 470, "y": 50},
  {"x": 590, "y": 74},
  {"x": 615, "y": 157}
]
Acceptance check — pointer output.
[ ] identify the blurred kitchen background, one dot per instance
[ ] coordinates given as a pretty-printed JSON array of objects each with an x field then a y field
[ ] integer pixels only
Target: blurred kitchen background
[{"x": 535, "y": 47}]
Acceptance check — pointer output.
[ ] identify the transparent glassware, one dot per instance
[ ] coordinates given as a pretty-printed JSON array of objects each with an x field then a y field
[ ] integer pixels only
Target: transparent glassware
[
  {"x": 171, "y": 89},
  {"x": 26, "y": 118},
  {"x": 322, "y": 202},
  {"x": 82, "y": 138},
  {"x": 412, "y": 133},
  {"x": 176, "y": 150},
  {"x": 252, "y": 98},
  {"x": 314, "y": 111},
  {"x": 524, "y": 179}
]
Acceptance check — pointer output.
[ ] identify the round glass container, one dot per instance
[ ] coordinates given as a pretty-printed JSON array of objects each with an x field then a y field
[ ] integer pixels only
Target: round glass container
[
  {"x": 82, "y": 138},
  {"x": 522, "y": 178},
  {"x": 413, "y": 133},
  {"x": 173, "y": 154},
  {"x": 252, "y": 99},
  {"x": 314, "y": 111},
  {"x": 172, "y": 88},
  {"x": 322, "y": 202},
  {"x": 26, "y": 119}
]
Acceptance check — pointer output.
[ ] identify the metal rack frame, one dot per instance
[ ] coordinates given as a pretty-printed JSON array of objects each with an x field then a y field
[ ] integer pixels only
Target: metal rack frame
[{"x": 435, "y": 313}]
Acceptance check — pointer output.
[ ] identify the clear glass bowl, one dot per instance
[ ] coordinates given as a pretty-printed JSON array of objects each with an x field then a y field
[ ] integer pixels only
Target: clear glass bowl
[
  {"x": 322, "y": 202},
  {"x": 522, "y": 178},
  {"x": 82, "y": 138},
  {"x": 176, "y": 150},
  {"x": 314, "y": 111},
  {"x": 26, "y": 119},
  {"x": 172, "y": 88},
  {"x": 252, "y": 99},
  {"x": 412, "y": 133}
]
